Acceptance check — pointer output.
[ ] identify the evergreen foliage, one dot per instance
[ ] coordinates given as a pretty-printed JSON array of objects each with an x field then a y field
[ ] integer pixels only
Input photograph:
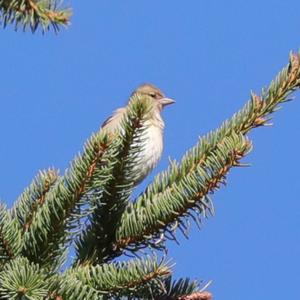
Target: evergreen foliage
[
  {"x": 96, "y": 244},
  {"x": 91, "y": 206},
  {"x": 33, "y": 14},
  {"x": 47, "y": 218}
]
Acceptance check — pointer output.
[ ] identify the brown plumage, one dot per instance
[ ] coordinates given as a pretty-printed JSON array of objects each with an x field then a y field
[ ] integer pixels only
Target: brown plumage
[{"x": 153, "y": 135}]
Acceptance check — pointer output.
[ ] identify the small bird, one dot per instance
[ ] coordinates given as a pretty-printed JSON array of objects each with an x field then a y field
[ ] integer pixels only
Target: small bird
[{"x": 153, "y": 134}]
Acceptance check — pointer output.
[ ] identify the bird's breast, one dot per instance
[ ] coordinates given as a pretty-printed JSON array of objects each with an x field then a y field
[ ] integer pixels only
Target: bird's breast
[
  {"x": 151, "y": 151},
  {"x": 153, "y": 144}
]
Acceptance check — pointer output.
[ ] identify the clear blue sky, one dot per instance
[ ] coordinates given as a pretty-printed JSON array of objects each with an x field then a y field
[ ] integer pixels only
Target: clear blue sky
[{"x": 208, "y": 55}]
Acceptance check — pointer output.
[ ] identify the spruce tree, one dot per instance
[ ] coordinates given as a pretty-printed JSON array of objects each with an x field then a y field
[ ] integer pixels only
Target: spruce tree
[{"x": 91, "y": 207}]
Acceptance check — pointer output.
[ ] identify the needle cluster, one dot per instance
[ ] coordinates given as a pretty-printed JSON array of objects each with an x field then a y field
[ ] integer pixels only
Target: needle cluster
[{"x": 91, "y": 207}]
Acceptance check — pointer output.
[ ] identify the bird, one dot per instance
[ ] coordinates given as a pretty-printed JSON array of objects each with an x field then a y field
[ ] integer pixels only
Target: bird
[{"x": 152, "y": 149}]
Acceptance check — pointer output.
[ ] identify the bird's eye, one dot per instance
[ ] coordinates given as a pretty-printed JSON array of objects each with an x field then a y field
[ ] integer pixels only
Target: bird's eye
[{"x": 153, "y": 95}]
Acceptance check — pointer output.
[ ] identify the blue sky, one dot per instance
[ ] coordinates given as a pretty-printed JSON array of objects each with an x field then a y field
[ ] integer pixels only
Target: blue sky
[{"x": 57, "y": 89}]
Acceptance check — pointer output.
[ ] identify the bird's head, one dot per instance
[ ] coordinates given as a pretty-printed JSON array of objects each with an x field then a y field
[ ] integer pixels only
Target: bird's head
[{"x": 156, "y": 94}]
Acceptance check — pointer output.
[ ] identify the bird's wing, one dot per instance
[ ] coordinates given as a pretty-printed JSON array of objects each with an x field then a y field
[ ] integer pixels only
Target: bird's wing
[{"x": 114, "y": 122}]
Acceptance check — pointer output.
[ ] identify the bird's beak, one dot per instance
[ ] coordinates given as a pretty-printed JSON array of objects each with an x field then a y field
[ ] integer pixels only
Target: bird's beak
[{"x": 166, "y": 101}]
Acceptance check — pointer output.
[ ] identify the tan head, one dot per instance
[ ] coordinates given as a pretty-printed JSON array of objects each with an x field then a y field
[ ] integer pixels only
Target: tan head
[{"x": 155, "y": 93}]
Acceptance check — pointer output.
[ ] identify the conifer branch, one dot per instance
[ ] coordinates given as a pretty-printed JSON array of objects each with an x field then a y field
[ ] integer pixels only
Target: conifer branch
[
  {"x": 181, "y": 289},
  {"x": 33, "y": 14},
  {"x": 92, "y": 175},
  {"x": 10, "y": 236},
  {"x": 96, "y": 189},
  {"x": 149, "y": 218},
  {"x": 21, "y": 279},
  {"x": 136, "y": 279},
  {"x": 255, "y": 113},
  {"x": 33, "y": 197},
  {"x": 155, "y": 209},
  {"x": 6, "y": 251},
  {"x": 96, "y": 243},
  {"x": 51, "y": 225}
]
